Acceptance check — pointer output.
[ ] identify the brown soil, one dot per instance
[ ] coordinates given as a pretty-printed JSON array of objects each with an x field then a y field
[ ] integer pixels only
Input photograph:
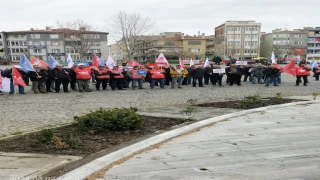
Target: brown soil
[
  {"x": 88, "y": 143},
  {"x": 243, "y": 105}
]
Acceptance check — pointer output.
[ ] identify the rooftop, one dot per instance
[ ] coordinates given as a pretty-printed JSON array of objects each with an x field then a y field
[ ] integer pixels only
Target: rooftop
[{"x": 49, "y": 31}]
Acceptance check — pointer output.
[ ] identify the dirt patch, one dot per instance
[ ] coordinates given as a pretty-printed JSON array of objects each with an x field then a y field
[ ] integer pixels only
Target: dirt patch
[
  {"x": 244, "y": 105},
  {"x": 87, "y": 143}
]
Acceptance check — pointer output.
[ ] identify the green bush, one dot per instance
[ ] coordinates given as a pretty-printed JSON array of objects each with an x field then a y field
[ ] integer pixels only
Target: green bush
[
  {"x": 46, "y": 136},
  {"x": 249, "y": 101},
  {"x": 103, "y": 120}
]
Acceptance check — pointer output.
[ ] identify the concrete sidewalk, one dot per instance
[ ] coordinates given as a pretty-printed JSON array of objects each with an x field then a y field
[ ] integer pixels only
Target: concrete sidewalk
[{"x": 275, "y": 144}]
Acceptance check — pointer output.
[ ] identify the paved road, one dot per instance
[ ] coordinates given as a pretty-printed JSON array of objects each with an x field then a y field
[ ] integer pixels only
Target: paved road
[
  {"x": 31, "y": 112},
  {"x": 278, "y": 144}
]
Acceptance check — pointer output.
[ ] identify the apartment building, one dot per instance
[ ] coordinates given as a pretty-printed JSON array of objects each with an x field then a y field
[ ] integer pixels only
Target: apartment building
[
  {"x": 2, "y": 42},
  {"x": 241, "y": 39},
  {"x": 172, "y": 44},
  {"x": 55, "y": 42},
  {"x": 313, "y": 49},
  {"x": 284, "y": 43}
]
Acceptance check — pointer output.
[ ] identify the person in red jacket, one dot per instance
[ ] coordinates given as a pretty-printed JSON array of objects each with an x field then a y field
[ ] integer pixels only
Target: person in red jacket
[
  {"x": 116, "y": 78},
  {"x": 136, "y": 77},
  {"x": 102, "y": 75},
  {"x": 83, "y": 76},
  {"x": 302, "y": 72},
  {"x": 157, "y": 75}
]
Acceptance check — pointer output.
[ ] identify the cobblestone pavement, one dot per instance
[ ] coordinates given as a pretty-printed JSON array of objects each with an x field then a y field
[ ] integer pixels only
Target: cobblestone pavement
[
  {"x": 277, "y": 144},
  {"x": 35, "y": 111}
]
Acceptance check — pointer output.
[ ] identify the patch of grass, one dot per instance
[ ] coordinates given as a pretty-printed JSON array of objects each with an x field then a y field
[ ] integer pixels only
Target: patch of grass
[
  {"x": 315, "y": 95},
  {"x": 17, "y": 133},
  {"x": 279, "y": 96},
  {"x": 203, "y": 169}
]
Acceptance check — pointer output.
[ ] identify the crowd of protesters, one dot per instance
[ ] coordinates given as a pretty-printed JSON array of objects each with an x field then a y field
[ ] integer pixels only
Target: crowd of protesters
[{"x": 79, "y": 77}]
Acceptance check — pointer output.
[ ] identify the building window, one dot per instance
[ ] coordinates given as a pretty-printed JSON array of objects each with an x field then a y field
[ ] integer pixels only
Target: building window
[
  {"x": 75, "y": 58},
  {"x": 254, "y": 36},
  {"x": 14, "y": 58},
  {"x": 55, "y": 50},
  {"x": 311, "y": 39},
  {"x": 247, "y": 36},
  {"x": 70, "y": 50},
  {"x": 39, "y": 57},
  {"x": 298, "y": 35},
  {"x": 36, "y": 43},
  {"x": 194, "y": 50},
  {"x": 8, "y": 43},
  {"x": 24, "y": 43},
  {"x": 96, "y": 51},
  {"x": 253, "y": 51},
  {"x": 96, "y": 43},
  {"x": 37, "y": 51},
  {"x": 231, "y": 36},
  {"x": 237, "y": 36},
  {"x": 54, "y": 36},
  {"x": 58, "y": 58},
  {"x": 12, "y": 43},
  {"x": 254, "y": 43},
  {"x": 297, "y": 42},
  {"x": 194, "y": 42},
  {"x": 88, "y": 58},
  {"x": 246, "y": 51},
  {"x": 55, "y": 43},
  {"x": 35, "y": 36},
  {"x": 237, "y": 43},
  {"x": 169, "y": 43},
  {"x": 0, "y": 43},
  {"x": 247, "y": 43}
]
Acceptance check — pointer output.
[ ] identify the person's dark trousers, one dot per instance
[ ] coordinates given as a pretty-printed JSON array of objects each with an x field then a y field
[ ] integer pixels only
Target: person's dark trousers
[
  {"x": 167, "y": 81},
  {"x": 317, "y": 76},
  {"x": 305, "y": 80},
  {"x": 246, "y": 77},
  {"x": 93, "y": 78},
  {"x": 216, "y": 79},
  {"x": 200, "y": 81},
  {"x": 206, "y": 79},
  {"x": 21, "y": 88},
  {"x": 64, "y": 82},
  {"x": 184, "y": 82},
  {"x": 134, "y": 83},
  {"x": 26, "y": 80},
  {"x": 189, "y": 79},
  {"x": 228, "y": 79},
  {"x": 117, "y": 83},
  {"x": 232, "y": 79},
  {"x": 48, "y": 85},
  {"x": 73, "y": 84},
  {"x": 154, "y": 81},
  {"x": 238, "y": 80},
  {"x": 104, "y": 83}
]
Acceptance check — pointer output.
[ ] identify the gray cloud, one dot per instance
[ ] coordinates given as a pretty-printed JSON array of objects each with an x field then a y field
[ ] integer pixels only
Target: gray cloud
[{"x": 188, "y": 16}]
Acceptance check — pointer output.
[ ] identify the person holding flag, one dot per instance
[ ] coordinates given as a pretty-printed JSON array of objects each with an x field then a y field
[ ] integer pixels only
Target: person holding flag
[
  {"x": 38, "y": 79},
  {"x": 16, "y": 78}
]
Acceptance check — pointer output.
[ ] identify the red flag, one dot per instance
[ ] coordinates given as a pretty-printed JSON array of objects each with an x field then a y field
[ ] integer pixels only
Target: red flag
[
  {"x": 34, "y": 60},
  {"x": 133, "y": 63},
  {"x": 181, "y": 63},
  {"x": 317, "y": 39},
  {"x": 95, "y": 61},
  {"x": 0, "y": 79},
  {"x": 290, "y": 68},
  {"x": 17, "y": 78}
]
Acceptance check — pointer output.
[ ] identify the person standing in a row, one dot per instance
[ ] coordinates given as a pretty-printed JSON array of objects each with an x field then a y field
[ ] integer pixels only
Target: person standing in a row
[
  {"x": 83, "y": 76},
  {"x": 177, "y": 75},
  {"x": 38, "y": 79},
  {"x": 302, "y": 71},
  {"x": 102, "y": 75},
  {"x": 157, "y": 75},
  {"x": 197, "y": 75},
  {"x": 117, "y": 78},
  {"x": 61, "y": 76}
]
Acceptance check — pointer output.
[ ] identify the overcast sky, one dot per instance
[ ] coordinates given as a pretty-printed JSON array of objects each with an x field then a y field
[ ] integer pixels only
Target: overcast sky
[{"x": 188, "y": 16}]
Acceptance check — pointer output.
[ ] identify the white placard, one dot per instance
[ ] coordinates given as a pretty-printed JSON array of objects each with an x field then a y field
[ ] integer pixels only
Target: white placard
[
  {"x": 218, "y": 71},
  {"x": 5, "y": 85},
  {"x": 242, "y": 63}
]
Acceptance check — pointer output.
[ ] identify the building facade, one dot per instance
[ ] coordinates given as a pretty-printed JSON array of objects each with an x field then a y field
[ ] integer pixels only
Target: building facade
[
  {"x": 55, "y": 42},
  {"x": 313, "y": 49},
  {"x": 2, "y": 42},
  {"x": 284, "y": 43},
  {"x": 241, "y": 39}
]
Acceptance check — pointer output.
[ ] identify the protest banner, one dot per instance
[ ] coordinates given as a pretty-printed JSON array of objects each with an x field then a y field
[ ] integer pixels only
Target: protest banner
[
  {"x": 242, "y": 63},
  {"x": 142, "y": 72},
  {"x": 221, "y": 71}
]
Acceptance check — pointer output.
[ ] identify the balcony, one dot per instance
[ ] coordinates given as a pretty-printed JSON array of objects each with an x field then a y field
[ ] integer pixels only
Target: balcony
[
  {"x": 314, "y": 47},
  {"x": 314, "y": 35},
  {"x": 37, "y": 47}
]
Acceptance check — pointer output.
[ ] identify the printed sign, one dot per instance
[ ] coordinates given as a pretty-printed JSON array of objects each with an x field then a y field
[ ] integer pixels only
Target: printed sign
[
  {"x": 221, "y": 71},
  {"x": 142, "y": 72},
  {"x": 242, "y": 63}
]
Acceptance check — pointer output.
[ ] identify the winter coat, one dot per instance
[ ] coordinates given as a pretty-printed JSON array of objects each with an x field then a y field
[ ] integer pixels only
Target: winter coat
[
  {"x": 197, "y": 73},
  {"x": 257, "y": 72},
  {"x": 207, "y": 71},
  {"x": 272, "y": 72}
]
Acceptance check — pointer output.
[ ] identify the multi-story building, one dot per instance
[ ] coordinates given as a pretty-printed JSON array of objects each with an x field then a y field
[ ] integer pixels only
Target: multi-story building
[
  {"x": 56, "y": 42},
  {"x": 284, "y": 43},
  {"x": 2, "y": 42},
  {"x": 241, "y": 39},
  {"x": 173, "y": 45},
  {"x": 313, "y": 49}
]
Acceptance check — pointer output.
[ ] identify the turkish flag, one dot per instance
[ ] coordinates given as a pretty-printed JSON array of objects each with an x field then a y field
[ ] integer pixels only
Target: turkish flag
[
  {"x": 17, "y": 78},
  {"x": 95, "y": 61},
  {"x": 36, "y": 61},
  {"x": 290, "y": 68},
  {"x": 133, "y": 63}
]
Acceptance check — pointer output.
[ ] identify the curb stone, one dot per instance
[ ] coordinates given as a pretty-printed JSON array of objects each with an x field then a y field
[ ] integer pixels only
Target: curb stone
[{"x": 102, "y": 162}]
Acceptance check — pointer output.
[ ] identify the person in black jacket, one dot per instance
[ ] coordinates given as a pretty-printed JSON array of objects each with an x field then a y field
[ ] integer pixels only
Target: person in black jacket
[
  {"x": 61, "y": 76},
  {"x": 50, "y": 79},
  {"x": 272, "y": 73},
  {"x": 216, "y": 77},
  {"x": 168, "y": 76},
  {"x": 38, "y": 79},
  {"x": 73, "y": 79},
  {"x": 247, "y": 73},
  {"x": 207, "y": 74},
  {"x": 197, "y": 74}
]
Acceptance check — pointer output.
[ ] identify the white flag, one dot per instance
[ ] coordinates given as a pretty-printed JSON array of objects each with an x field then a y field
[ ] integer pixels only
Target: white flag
[
  {"x": 70, "y": 61},
  {"x": 206, "y": 63},
  {"x": 191, "y": 62},
  {"x": 273, "y": 58},
  {"x": 110, "y": 63}
]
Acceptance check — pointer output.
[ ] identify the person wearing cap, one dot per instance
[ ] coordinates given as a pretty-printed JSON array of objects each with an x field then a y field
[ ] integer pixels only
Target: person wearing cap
[
  {"x": 61, "y": 76},
  {"x": 135, "y": 77},
  {"x": 83, "y": 76},
  {"x": 8, "y": 74},
  {"x": 116, "y": 78},
  {"x": 177, "y": 75},
  {"x": 38, "y": 79},
  {"x": 102, "y": 77}
]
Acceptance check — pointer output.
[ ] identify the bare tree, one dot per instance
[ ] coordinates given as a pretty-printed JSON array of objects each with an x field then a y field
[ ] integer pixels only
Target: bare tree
[
  {"x": 79, "y": 35},
  {"x": 130, "y": 30},
  {"x": 183, "y": 54}
]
